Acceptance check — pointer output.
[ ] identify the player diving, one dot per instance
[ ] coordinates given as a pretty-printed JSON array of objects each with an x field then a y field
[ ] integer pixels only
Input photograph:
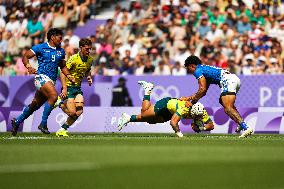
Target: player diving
[{"x": 168, "y": 109}]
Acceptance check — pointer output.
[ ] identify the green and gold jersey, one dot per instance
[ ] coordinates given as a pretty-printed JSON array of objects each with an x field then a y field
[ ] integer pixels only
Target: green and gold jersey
[
  {"x": 176, "y": 106},
  {"x": 78, "y": 68}
]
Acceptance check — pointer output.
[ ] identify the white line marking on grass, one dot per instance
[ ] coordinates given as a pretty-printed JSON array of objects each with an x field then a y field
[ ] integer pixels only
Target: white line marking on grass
[{"x": 48, "y": 167}]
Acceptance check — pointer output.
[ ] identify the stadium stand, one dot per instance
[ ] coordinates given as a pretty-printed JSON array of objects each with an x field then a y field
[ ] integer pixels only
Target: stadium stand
[{"x": 152, "y": 37}]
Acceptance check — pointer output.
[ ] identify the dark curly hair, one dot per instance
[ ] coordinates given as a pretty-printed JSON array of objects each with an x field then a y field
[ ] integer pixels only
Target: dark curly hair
[
  {"x": 53, "y": 32},
  {"x": 192, "y": 60}
]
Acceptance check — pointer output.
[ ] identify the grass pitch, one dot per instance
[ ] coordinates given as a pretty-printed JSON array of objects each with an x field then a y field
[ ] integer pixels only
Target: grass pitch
[{"x": 137, "y": 161}]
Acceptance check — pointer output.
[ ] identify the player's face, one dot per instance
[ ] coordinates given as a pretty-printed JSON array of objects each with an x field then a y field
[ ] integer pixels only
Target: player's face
[
  {"x": 85, "y": 50},
  {"x": 191, "y": 68},
  {"x": 57, "y": 40}
]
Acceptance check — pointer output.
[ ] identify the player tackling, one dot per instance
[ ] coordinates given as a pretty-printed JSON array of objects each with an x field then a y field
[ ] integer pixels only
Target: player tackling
[
  {"x": 229, "y": 84},
  {"x": 168, "y": 109},
  {"x": 79, "y": 66}
]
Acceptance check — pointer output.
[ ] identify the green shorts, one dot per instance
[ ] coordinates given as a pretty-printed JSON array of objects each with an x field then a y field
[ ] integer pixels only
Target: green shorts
[
  {"x": 161, "y": 109},
  {"x": 73, "y": 91}
]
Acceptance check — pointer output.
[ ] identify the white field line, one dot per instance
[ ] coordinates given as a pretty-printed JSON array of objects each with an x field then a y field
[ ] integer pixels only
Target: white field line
[{"x": 48, "y": 167}]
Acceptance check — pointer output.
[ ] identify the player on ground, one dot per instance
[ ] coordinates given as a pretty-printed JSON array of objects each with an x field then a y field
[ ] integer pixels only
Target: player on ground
[
  {"x": 229, "y": 84},
  {"x": 168, "y": 109},
  {"x": 79, "y": 66},
  {"x": 49, "y": 55}
]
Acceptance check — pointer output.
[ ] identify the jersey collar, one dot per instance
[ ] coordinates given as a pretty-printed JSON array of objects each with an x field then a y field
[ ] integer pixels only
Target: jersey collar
[{"x": 50, "y": 46}]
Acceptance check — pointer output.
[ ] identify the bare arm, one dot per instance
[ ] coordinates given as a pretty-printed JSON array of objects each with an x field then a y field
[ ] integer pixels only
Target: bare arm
[
  {"x": 174, "y": 123},
  {"x": 202, "y": 90},
  {"x": 65, "y": 71},
  {"x": 28, "y": 55},
  {"x": 89, "y": 78},
  {"x": 64, "y": 85}
]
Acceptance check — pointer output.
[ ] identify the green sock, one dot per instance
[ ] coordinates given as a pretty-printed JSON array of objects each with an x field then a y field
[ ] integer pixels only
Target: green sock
[
  {"x": 146, "y": 97},
  {"x": 133, "y": 118},
  {"x": 65, "y": 126}
]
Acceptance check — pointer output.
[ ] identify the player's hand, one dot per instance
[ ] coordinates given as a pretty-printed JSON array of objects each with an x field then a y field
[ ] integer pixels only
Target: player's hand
[
  {"x": 31, "y": 70},
  {"x": 195, "y": 128},
  {"x": 63, "y": 94},
  {"x": 90, "y": 80}
]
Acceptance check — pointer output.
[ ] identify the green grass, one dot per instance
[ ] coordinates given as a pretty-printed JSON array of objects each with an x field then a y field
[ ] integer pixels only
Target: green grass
[{"x": 141, "y": 161}]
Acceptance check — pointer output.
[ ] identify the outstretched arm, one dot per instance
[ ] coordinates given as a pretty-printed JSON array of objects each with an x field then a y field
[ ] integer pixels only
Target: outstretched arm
[
  {"x": 66, "y": 72},
  {"x": 202, "y": 90},
  {"x": 174, "y": 123},
  {"x": 28, "y": 55}
]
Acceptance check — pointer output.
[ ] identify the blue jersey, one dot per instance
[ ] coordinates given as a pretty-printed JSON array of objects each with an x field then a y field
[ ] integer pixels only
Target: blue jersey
[
  {"x": 48, "y": 59},
  {"x": 212, "y": 74}
]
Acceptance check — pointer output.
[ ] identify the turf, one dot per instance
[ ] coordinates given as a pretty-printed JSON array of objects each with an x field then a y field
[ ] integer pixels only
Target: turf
[{"x": 141, "y": 161}]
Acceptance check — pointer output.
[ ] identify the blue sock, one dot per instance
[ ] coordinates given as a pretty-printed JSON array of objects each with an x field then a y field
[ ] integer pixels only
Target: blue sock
[
  {"x": 46, "y": 112},
  {"x": 243, "y": 125},
  {"x": 24, "y": 115},
  {"x": 133, "y": 118}
]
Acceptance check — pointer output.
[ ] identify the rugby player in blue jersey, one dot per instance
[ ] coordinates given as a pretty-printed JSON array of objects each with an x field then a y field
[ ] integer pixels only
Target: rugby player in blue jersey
[
  {"x": 229, "y": 84},
  {"x": 50, "y": 56}
]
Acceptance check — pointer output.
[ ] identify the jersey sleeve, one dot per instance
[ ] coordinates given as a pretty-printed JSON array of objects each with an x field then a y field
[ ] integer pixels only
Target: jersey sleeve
[
  {"x": 36, "y": 49},
  {"x": 198, "y": 73},
  {"x": 205, "y": 117}
]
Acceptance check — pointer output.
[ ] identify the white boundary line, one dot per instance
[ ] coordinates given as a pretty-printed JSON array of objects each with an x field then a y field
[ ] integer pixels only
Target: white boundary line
[{"x": 48, "y": 167}]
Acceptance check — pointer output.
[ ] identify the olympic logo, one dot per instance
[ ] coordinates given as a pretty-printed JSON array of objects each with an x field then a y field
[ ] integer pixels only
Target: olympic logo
[
  {"x": 160, "y": 92},
  {"x": 61, "y": 119}
]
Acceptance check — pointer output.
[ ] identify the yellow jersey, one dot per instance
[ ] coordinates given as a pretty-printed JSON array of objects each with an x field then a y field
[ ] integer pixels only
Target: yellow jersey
[
  {"x": 176, "y": 106},
  {"x": 78, "y": 68}
]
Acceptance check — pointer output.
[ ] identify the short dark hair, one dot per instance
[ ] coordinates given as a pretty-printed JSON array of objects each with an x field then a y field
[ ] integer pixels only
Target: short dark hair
[
  {"x": 84, "y": 41},
  {"x": 54, "y": 32},
  {"x": 192, "y": 60}
]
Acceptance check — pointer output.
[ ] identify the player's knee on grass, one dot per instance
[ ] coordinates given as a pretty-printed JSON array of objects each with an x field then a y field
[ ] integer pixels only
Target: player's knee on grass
[{"x": 209, "y": 126}]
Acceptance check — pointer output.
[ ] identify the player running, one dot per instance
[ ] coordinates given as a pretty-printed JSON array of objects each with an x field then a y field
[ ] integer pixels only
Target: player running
[
  {"x": 168, "y": 109},
  {"x": 79, "y": 66},
  {"x": 49, "y": 55},
  {"x": 229, "y": 84}
]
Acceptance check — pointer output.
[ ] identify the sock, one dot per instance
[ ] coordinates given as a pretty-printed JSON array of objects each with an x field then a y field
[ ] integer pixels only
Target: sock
[
  {"x": 243, "y": 125},
  {"x": 133, "y": 118},
  {"x": 65, "y": 126},
  {"x": 146, "y": 97},
  {"x": 46, "y": 112},
  {"x": 24, "y": 115}
]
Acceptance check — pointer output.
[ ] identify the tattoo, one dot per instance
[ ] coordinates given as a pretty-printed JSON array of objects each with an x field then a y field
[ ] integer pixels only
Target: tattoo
[{"x": 234, "y": 115}]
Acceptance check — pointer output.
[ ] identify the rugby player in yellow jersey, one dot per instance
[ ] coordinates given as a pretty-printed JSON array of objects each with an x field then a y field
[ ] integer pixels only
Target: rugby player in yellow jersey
[
  {"x": 79, "y": 66},
  {"x": 168, "y": 109}
]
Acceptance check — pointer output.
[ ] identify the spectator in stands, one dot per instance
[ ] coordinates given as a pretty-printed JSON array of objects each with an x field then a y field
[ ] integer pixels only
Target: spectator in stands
[
  {"x": 148, "y": 68},
  {"x": 3, "y": 44},
  {"x": 178, "y": 70},
  {"x": 13, "y": 25},
  {"x": 243, "y": 25},
  {"x": 20, "y": 69},
  {"x": 35, "y": 28},
  {"x": 162, "y": 69},
  {"x": 8, "y": 69}
]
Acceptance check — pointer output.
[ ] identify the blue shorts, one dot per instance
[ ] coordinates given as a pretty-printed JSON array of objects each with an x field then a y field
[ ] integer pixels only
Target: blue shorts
[{"x": 41, "y": 79}]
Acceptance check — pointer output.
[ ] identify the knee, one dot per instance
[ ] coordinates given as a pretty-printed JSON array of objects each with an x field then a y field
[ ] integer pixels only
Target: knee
[
  {"x": 72, "y": 113},
  {"x": 52, "y": 98}
]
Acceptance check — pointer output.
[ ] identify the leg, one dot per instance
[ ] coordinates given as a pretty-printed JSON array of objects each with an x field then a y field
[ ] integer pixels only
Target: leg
[
  {"x": 49, "y": 91},
  {"x": 37, "y": 102},
  {"x": 228, "y": 102}
]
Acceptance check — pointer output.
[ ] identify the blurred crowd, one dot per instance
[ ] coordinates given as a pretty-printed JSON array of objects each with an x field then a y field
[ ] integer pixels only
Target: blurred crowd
[
  {"x": 24, "y": 23},
  {"x": 155, "y": 37}
]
